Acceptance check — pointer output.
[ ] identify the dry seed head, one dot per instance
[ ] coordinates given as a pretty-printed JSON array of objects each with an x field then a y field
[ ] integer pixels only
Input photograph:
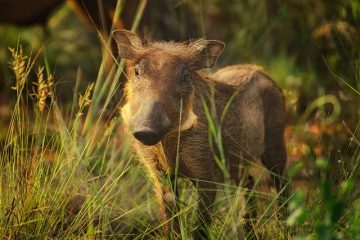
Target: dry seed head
[
  {"x": 19, "y": 67},
  {"x": 50, "y": 80},
  {"x": 44, "y": 88},
  {"x": 85, "y": 100}
]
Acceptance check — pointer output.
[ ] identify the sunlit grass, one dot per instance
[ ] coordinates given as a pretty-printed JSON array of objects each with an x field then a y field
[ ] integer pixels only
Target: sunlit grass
[{"x": 52, "y": 186}]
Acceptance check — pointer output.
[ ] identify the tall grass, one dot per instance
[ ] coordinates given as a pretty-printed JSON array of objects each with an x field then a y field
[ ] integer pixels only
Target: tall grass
[{"x": 50, "y": 188}]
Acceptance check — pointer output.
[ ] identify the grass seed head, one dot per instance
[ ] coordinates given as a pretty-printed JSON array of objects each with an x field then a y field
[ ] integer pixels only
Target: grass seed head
[
  {"x": 44, "y": 88},
  {"x": 18, "y": 65},
  {"x": 85, "y": 100}
]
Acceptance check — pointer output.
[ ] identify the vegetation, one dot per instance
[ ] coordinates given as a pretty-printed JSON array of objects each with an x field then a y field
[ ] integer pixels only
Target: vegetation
[{"x": 67, "y": 171}]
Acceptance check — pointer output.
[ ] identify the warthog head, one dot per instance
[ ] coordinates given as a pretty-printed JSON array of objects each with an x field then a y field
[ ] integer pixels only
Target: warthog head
[{"x": 159, "y": 90}]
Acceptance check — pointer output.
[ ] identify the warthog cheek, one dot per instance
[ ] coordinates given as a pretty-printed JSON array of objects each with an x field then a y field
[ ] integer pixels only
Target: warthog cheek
[
  {"x": 189, "y": 122},
  {"x": 125, "y": 113}
]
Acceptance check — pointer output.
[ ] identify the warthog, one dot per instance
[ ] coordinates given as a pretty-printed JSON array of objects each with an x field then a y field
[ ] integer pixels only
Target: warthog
[{"x": 167, "y": 113}]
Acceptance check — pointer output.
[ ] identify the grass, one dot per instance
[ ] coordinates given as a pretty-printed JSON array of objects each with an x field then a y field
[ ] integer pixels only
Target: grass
[{"x": 67, "y": 172}]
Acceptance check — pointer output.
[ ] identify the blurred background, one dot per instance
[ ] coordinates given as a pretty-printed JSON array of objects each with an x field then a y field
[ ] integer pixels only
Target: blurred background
[{"x": 310, "y": 48}]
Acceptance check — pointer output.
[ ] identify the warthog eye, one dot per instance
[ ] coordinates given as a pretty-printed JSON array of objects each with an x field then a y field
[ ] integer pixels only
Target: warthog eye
[{"x": 184, "y": 76}]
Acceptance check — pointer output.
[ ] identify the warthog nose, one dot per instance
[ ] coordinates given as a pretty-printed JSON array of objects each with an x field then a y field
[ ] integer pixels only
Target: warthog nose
[{"x": 147, "y": 136}]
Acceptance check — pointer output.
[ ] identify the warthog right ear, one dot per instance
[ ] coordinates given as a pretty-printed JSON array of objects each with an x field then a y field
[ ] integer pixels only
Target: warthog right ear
[
  {"x": 128, "y": 43},
  {"x": 208, "y": 53}
]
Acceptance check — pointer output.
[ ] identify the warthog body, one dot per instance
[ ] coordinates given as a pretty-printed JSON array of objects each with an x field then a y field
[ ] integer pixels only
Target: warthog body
[{"x": 166, "y": 93}]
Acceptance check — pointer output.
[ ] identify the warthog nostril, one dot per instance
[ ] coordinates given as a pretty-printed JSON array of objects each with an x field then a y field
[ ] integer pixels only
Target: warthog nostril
[{"x": 147, "y": 136}]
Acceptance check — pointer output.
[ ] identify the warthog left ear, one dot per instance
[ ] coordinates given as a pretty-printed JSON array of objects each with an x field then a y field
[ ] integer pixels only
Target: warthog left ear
[
  {"x": 208, "y": 53},
  {"x": 128, "y": 43}
]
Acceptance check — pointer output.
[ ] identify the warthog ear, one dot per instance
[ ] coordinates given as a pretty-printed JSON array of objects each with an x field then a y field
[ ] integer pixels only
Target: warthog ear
[
  {"x": 128, "y": 43},
  {"x": 209, "y": 51}
]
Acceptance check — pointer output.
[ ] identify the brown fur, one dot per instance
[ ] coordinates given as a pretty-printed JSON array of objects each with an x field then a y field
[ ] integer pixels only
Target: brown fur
[{"x": 252, "y": 129}]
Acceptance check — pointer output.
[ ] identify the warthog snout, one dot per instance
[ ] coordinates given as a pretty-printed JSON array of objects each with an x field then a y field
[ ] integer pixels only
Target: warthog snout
[{"x": 150, "y": 124}]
